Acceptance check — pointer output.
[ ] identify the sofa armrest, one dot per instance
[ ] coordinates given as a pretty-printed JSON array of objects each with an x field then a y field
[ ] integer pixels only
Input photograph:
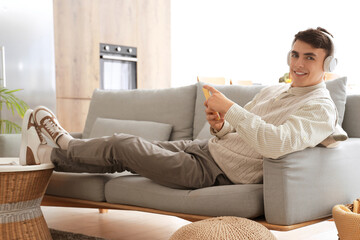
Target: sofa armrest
[
  {"x": 305, "y": 185},
  {"x": 10, "y": 145}
]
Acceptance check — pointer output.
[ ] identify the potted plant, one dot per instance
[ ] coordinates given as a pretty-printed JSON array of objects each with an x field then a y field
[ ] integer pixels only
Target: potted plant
[
  {"x": 285, "y": 78},
  {"x": 13, "y": 104}
]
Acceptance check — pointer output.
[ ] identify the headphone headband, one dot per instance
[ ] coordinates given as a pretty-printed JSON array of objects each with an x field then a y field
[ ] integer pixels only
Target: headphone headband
[{"x": 332, "y": 52}]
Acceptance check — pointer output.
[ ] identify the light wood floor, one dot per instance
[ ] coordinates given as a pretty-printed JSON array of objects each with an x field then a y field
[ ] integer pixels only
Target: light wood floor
[
  {"x": 116, "y": 224},
  {"x": 133, "y": 225}
]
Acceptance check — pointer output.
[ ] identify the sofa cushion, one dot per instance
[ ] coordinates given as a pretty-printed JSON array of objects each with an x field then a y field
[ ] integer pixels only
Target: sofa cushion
[
  {"x": 204, "y": 132},
  {"x": 351, "y": 122},
  {"x": 174, "y": 106},
  {"x": 79, "y": 185},
  {"x": 144, "y": 129},
  {"x": 231, "y": 200},
  {"x": 337, "y": 89}
]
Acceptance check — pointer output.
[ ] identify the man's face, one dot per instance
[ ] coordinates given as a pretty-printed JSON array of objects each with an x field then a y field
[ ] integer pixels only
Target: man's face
[{"x": 306, "y": 64}]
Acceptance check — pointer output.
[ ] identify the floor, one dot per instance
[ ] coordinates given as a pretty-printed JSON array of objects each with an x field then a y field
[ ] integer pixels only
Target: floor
[
  {"x": 132, "y": 225},
  {"x": 325, "y": 230},
  {"x": 116, "y": 224}
]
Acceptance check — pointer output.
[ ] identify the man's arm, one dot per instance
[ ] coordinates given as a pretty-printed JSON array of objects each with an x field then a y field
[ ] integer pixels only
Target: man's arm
[
  {"x": 307, "y": 127},
  {"x": 220, "y": 127},
  {"x": 226, "y": 127}
]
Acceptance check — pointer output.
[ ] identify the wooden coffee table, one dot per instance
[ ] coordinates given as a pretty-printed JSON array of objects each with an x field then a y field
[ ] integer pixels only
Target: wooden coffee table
[{"x": 21, "y": 191}]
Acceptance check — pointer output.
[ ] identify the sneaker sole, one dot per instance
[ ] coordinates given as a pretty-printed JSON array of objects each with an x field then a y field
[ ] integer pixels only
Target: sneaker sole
[{"x": 24, "y": 137}]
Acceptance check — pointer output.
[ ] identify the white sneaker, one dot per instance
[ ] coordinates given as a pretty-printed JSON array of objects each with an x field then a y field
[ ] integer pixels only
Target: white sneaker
[
  {"x": 30, "y": 140},
  {"x": 47, "y": 124}
]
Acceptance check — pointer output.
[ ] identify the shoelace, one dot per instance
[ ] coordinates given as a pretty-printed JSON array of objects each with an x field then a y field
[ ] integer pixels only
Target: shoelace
[{"x": 51, "y": 127}]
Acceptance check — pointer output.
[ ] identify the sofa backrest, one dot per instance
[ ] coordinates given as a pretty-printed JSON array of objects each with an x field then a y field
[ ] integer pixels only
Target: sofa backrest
[
  {"x": 183, "y": 107},
  {"x": 351, "y": 122},
  {"x": 174, "y": 106}
]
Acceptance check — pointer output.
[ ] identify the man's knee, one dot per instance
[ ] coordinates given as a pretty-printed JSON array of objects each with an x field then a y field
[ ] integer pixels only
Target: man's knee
[
  {"x": 119, "y": 144},
  {"x": 122, "y": 139}
]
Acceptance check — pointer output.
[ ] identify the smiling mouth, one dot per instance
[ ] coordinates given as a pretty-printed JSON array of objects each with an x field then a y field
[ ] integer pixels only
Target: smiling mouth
[{"x": 300, "y": 74}]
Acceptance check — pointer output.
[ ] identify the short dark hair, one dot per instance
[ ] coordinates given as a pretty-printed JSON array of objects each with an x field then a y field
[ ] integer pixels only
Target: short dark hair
[{"x": 317, "y": 38}]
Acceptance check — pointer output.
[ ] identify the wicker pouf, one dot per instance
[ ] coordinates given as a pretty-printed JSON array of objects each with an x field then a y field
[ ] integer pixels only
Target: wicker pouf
[
  {"x": 224, "y": 228},
  {"x": 21, "y": 191},
  {"x": 347, "y": 223}
]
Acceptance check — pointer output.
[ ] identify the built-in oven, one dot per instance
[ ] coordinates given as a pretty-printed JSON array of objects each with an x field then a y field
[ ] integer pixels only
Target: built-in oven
[{"x": 118, "y": 67}]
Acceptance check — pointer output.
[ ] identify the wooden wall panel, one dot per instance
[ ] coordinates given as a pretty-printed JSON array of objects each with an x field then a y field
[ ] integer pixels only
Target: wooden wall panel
[
  {"x": 76, "y": 48},
  {"x": 76, "y": 26},
  {"x": 76, "y": 112},
  {"x": 154, "y": 53},
  {"x": 118, "y": 22}
]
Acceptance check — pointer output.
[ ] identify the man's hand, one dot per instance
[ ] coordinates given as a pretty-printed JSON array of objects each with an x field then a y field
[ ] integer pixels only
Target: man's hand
[
  {"x": 216, "y": 107},
  {"x": 215, "y": 119}
]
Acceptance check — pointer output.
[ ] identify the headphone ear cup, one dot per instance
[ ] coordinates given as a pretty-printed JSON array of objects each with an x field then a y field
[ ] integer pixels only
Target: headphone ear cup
[
  {"x": 288, "y": 58},
  {"x": 330, "y": 64}
]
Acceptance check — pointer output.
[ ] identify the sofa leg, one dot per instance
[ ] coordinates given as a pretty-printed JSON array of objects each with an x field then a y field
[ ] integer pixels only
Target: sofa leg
[{"x": 103, "y": 210}]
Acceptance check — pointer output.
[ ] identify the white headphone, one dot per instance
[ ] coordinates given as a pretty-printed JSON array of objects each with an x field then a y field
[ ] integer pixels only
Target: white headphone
[{"x": 330, "y": 62}]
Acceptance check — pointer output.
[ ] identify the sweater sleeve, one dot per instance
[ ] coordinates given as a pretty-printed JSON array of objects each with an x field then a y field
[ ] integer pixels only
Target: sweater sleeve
[
  {"x": 307, "y": 127},
  {"x": 227, "y": 128},
  {"x": 223, "y": 131}
]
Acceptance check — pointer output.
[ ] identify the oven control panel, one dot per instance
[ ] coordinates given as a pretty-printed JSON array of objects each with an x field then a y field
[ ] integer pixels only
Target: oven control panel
[{"x": 117, "y": 49}]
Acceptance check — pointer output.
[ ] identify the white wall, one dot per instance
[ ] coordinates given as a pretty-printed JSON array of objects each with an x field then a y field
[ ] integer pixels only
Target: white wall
[{"x": 249, "y": 40}]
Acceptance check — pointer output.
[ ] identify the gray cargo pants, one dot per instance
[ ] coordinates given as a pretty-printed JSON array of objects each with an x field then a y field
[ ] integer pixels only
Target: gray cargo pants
[{"x": 176, "y": 164}]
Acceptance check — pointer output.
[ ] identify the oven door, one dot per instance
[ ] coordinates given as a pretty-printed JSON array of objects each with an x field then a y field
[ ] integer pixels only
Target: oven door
[{"x": 118, "y": 72}]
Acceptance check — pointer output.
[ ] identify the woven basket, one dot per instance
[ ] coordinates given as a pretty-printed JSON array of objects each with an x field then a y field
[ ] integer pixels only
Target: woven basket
[
  {"x": 223, "y": 228},
  {"x": 21, "y": 193},
  {"x": 347, "y": 223}
]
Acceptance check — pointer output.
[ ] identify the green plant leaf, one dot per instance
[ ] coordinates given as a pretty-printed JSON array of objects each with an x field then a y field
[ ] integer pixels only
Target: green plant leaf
[
  {"x": 13, "y": 104},
  {"x": 7, "y": 127}
]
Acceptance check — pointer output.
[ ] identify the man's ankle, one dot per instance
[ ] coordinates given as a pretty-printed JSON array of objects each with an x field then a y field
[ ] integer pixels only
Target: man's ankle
[{"x": 64, "y": 141}]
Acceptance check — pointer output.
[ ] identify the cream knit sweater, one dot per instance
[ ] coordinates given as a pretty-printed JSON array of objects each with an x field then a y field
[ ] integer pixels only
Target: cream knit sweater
[{"x": 279, "y": 120}]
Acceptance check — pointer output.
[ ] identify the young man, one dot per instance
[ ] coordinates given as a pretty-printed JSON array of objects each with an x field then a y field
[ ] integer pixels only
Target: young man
[{"x": 279, "y": 120}]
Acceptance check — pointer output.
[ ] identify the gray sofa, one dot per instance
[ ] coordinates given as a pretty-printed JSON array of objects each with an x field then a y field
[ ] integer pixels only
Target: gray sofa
[{"x": 296, "y": 188}]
